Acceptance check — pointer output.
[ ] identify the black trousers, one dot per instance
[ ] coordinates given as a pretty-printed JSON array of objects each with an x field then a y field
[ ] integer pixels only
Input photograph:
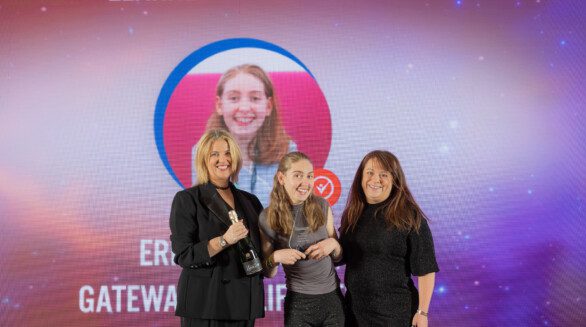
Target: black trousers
[
  {"x": 194, "y": 322},
  {"x": 303, "y": 310}
]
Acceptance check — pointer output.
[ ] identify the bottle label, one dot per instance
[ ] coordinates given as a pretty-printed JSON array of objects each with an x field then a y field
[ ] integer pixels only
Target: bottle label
[{"x": 252, "y": 267}]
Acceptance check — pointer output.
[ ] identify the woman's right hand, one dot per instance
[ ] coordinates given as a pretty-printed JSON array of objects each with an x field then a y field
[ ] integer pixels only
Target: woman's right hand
[
  {"x": 235, "y": 233},
  {"x": 287, "y": 256}
]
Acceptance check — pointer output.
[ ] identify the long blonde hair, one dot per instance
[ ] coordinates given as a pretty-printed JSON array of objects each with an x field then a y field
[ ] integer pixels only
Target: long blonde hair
[
  {"x": 204, "y": 147},
  {"x": 279, "y": 214},
  {"x": 271, "y": 140}
]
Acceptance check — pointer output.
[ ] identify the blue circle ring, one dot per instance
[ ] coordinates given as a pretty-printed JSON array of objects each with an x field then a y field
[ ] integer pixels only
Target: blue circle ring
[{"x": 186, "y": 65}]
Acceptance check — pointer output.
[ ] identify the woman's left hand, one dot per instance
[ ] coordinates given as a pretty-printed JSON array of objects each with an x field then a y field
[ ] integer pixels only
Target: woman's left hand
[
  {"x": 419, "y": 320},
  {"x": 322, "y": 249}
]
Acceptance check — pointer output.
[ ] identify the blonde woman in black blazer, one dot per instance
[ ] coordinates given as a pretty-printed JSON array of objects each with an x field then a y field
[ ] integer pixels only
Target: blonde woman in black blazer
[{"x": 213, "y": 289}]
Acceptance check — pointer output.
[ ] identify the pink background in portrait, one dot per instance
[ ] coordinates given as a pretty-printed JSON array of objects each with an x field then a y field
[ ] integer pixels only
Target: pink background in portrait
[{"x": 304, "y": 112}]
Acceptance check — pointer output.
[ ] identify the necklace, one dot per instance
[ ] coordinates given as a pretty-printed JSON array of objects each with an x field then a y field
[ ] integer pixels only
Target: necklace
[
  {"x": 296, "y": 213},
  {"x": 221, "y": 187}
]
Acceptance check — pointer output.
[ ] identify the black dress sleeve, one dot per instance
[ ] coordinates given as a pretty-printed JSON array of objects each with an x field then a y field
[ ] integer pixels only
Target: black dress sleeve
[
  {"x": 421, "y": 251},
  {"x": 342, "y": 241},
  {"x": 190, "y": 251}
]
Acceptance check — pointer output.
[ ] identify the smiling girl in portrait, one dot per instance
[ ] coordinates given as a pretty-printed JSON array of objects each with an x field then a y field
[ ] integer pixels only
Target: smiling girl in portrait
[{"x": 246, "y": 105}]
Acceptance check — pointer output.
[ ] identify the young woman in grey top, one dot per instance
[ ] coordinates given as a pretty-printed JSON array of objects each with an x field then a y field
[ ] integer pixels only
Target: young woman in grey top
[{"x": 297, "y": 230}]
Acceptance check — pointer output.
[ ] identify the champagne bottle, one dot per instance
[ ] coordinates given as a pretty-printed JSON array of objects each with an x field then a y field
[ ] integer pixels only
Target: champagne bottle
[{"x": 248, "y": 255}]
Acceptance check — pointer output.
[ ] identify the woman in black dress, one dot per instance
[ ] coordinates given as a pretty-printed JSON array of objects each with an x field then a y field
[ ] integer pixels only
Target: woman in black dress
[
  {"x": 386, "y": 239},
  {"x": 214, "y": 290}
]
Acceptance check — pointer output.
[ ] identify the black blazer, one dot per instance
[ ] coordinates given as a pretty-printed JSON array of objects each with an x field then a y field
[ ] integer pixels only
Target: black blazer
[{"x": 217, "y": 287}]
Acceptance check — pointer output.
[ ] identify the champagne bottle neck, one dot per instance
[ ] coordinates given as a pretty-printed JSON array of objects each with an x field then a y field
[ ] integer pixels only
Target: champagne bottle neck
[{"x": 233, "y": 216}]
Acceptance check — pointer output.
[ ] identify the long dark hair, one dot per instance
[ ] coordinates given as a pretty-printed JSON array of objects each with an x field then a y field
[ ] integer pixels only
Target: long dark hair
[{"x": 399, "y": 210}]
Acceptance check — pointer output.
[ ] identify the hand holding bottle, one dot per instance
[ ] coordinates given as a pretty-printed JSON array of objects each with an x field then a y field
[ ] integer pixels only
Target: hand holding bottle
[
  {"x": 235, "y": 232},
  {"x": 248, "y": 254}
]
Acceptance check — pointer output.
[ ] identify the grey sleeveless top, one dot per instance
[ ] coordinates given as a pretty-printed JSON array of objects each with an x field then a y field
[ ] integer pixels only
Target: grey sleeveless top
[{"x": 305, "y": 276}]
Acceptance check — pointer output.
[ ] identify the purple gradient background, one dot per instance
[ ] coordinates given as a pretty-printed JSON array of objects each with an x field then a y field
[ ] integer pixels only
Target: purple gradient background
[{"x": 483, "y": 101}]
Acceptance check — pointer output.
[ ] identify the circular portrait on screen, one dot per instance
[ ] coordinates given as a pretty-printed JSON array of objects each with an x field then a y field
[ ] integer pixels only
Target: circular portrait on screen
[{"x": 266, "y": 98}]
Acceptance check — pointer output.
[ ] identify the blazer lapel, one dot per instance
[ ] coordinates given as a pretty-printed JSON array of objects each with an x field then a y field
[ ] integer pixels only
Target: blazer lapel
[{"x": 214, "y": 202}]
